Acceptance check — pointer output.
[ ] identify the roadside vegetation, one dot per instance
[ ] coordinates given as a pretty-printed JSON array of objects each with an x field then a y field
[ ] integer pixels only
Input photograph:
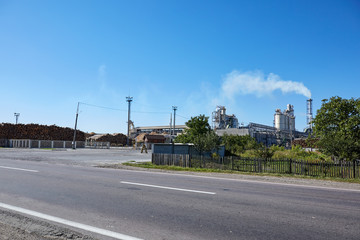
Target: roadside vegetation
[
  {"x": 336, "y": 136},
  {"x": 150, "y": 165}
]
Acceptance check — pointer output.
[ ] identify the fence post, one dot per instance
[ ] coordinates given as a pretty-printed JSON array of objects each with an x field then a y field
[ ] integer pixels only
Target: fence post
[
  {"x": 354, "y": 168},
  {"x": 290, "y": 163},
  {"x": 259, "y": 162},
  {"x": 302, "y": 167}
]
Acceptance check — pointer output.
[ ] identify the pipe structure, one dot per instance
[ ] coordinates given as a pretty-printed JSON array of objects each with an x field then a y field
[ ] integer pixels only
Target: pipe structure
[{"x": 309, "y": 113}]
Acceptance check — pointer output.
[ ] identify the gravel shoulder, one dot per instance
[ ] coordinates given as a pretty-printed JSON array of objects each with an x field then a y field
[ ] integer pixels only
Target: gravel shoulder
[{"x": 14, "y": 226}]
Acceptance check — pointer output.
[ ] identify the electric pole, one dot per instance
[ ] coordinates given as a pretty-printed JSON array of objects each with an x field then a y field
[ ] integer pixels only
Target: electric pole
[
  {"x": 170, "y": 129},
  {"x": 174, "y": 108},
  {"x": 16, "y": 117},
  {"x": 129, "y": 100},
  {"x": 77, "y": 114}
]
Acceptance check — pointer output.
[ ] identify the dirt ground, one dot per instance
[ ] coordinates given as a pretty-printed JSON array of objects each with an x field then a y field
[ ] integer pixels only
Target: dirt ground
[{"x": 18, "y": 227}]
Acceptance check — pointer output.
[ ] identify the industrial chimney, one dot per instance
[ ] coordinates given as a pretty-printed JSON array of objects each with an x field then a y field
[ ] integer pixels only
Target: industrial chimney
[{"x": 309, "y": 113}]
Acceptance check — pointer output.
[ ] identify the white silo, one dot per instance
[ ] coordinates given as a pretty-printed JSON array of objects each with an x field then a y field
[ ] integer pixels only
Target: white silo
[
  {"x": 280, "y": 120},
  {"x": 292, "y": 123},
  {"x": 285, "y": 120}
]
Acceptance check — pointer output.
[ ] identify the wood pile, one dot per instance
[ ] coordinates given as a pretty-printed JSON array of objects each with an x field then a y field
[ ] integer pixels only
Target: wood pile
[
  {"x": 39, "y": 132},
  {"x": 305, "y": 143},
  {"x": 116, "y": 139}
]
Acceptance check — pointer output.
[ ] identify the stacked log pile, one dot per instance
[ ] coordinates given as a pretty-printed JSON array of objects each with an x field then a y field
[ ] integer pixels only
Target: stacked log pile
[
  {"x": 39, "y": 132},
  {"x": 116, "y": 139}
]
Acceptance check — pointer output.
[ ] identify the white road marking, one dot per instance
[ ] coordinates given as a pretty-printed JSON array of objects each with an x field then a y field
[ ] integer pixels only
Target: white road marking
[
  {"x": 170, "y": 188},
  {"x": 101, "y": 231},
  {"x": 249, "y": 181},
  {"x": 19, "y": 169}
]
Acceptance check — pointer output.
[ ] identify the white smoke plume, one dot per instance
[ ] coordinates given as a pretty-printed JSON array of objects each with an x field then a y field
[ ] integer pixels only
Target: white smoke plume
[{"x": 256, "y": 83}]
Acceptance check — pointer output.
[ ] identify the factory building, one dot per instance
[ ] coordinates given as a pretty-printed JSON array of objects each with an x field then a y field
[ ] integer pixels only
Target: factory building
[
  {"x": 157, "y": 129},
  {"x": 282, "y": 133},
  {"x": 222, "y": 121},
  {"x": 285, "y": 120}
]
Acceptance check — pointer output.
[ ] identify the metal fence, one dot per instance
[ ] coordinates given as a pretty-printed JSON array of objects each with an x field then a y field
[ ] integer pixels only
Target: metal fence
[
  {"x": 181, "y": 160},
  {"x": 342, "y": 169},
  {"x": 93, "y": 144},
  {"x": 28, "y": 143}
]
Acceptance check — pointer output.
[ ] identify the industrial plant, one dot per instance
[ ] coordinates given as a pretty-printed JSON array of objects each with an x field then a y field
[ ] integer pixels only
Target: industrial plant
[{"x": 283, "y": 131}]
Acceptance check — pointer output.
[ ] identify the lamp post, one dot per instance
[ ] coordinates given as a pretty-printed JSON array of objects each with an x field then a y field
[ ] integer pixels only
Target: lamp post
[
  {"x": 16, "y": 117},
  {"x": 174, "y": 108},
  {"x": 129, "y": 100}
]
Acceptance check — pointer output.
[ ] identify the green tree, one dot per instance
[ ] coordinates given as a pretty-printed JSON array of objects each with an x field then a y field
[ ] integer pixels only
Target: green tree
[
  {"x": 200, "y": 134},
  {"x": 197, "y": 126},
  {"x": 235, "y": 145},
  {"x": 206, "y": 142},
  {"x": 265, "y": 152},
  {"x": 337, "y": 125}
]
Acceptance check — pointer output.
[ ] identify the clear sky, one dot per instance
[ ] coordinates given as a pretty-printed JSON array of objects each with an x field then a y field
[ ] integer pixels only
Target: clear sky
[{"x": 250, "y": 56}]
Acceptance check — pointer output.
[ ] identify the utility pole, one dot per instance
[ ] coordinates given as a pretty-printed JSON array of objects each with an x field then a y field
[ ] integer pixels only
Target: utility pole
[
  {"x": 129, "y": 100},
  {"x": 174, "y": 108},
  {"x": 76, "y": 119},
  {"x": 16, "y": 117},
  {"x": 170, "y": 129}
]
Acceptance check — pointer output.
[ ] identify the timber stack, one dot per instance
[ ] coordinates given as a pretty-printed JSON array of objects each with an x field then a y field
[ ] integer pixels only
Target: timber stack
[
  {"x": 116, "y": 139},
  {"x": 306, "y": 143},
  {"x": 39, "y": 132}
]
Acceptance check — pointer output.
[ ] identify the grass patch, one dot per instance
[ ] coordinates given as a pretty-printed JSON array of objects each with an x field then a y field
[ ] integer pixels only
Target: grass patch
[{"x": 176, "y": 168}]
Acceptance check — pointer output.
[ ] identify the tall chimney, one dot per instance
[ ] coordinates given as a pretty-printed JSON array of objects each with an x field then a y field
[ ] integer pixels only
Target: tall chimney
[{"x": 309, "y": 113}]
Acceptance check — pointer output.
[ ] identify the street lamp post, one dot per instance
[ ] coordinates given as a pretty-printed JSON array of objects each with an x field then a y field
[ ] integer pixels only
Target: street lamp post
[
  {"x": 16, "y": 117},
  {"x": 129, "y": 100}
]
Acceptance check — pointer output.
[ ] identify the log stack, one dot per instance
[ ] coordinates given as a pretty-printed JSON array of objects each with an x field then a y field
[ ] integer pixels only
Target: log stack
[
  {"x": 39, "y": 132},
  {"x": 116, "y": 139}
]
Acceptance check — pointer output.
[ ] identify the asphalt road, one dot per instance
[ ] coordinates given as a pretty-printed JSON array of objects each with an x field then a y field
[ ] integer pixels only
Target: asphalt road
[
  {"x": 150, "y": 205},
  {"x": 80, "y": 156}
]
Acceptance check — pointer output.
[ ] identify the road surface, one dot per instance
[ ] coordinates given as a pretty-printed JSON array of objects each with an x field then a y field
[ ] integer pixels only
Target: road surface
[{"x": 129, "y": 204}]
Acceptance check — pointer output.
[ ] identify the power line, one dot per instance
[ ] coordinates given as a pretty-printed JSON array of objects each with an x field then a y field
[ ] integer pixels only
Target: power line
[
  {"x": 151, "y": 112},
  {"x": 110, "y": 108},
  {"x": 182, "y": 116},
  {"x": 148, "y": 106},
  {"x": 122, "y": 110}
]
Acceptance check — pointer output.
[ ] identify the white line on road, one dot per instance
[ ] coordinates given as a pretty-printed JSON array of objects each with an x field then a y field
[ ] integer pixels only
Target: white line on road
[
  {"x": 85, "y": 227},
  {"x": 19, "y": 169},
  {"x": 249, "y": 181},
  {"x": 170, "y": 188}
]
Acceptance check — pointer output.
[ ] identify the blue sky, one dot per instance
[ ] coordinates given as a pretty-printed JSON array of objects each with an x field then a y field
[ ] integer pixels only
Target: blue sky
[{"x": 250, "y": 56}]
